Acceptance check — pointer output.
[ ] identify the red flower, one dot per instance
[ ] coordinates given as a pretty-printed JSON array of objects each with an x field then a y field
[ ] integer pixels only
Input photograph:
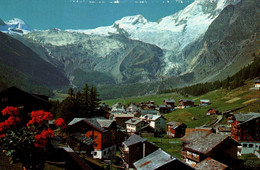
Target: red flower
[
  {"x": 39, "y": 116},
  {"x": 2, "y": 126},
  {"x": 10, "y": 121},
  {"x": 41, "y": 139},
  {"x": 2, "y": 135},
  {"x": 9, "y": 110},
  {"x": 60, "y": 122}
]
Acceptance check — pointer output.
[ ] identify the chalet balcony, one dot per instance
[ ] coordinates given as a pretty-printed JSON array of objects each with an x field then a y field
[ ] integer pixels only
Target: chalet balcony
[{"x": 190, "y": 156}]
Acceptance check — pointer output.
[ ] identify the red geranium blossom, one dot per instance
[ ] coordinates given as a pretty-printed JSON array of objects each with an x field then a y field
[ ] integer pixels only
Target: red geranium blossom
[
  {"x": 10, "y": 121},
  {"x": 41, "y": 139},
  {"x": 60, "y": 122},
  {"x": 39, "y": 116},
  {"x": 9, "y": 110}
]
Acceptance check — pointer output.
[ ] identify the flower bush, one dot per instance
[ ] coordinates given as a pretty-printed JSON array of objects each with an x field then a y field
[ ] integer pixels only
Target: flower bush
[{"x": 26, "y": 142}]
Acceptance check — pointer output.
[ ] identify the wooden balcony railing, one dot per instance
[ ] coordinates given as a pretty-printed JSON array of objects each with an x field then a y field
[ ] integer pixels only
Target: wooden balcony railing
[{"x": 190, "y": 156}]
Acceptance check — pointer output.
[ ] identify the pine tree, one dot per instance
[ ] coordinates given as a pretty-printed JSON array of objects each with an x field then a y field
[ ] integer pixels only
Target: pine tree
[
  {"x": 94, "y": 100},
  {"x": 85, "y": 101}
]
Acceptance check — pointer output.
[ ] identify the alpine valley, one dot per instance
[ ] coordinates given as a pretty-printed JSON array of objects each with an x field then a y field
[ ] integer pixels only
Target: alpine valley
[{"x": 208, "y": 40}]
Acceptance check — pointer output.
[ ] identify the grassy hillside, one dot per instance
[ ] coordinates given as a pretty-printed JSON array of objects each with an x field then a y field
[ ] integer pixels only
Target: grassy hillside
[{"x": 222, "y": 100}]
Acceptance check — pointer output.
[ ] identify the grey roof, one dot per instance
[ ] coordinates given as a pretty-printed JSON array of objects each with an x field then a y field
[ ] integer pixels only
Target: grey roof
[
  {"x": 154, "y": 160},
  {"x": 98, "y": 123},
  {"x": 257, "y": 81},
  {"x": 83, "y": 138},
  {"x": 207, "y": 143},
  {"x": 165, "y": 105},
  {"x": 174, "y": 124},
  {"x": 210, "y": 163},
  {"x": 133, "y": 121},
  {"x": 194, "y": 135},
  {"x": 133, "y": 139},
  {"x": 243, "y": 118},
  {"x": 186, "y": 100},
  {"x": 169, "y": 100}
]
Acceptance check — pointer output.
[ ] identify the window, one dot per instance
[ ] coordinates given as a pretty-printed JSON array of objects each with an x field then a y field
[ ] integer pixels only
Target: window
[
  {"x": 244, "y": 145},
  {"x": 251, "y": 145},
  {"x": 96, "y": 145},
  {"x": 96, "y": 137},
  {"x": 95, "y": 153},
  {"x": 105, "y": 152}
]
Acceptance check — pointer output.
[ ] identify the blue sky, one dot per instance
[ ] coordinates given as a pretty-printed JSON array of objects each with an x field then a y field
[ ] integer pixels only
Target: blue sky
[{"x": 85, "y": 14}]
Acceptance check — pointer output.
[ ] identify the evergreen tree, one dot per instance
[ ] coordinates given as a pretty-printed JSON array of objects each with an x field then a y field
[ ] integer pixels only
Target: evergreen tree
[
  {"x": 85, "y": 101},
  {"x": 94, "y": 100}
]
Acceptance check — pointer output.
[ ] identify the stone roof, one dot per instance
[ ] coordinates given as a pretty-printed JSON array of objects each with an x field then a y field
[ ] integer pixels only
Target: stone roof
[
  {"x": 210, "y": 163},
  {"x": 243, "y": 118},
  {"x": 207, "y": 143},
  {"x": 205, "y": 100},
  {"x": 83, "y": 138},
  {"x": 174, "y": 124},
  {"x": 194, "y": 135},
  {"x": 133, "y": 139},
  {"x": 97, "y": 123},
  {"x": 123, "y": 115},
  {"x": 133, "y": 121}
]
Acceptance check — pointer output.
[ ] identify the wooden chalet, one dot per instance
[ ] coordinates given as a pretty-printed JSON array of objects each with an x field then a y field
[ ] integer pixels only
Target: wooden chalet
[
  {"x": 102, "y": 131},
  {"x": 210, "y": 163},
  {"x": 160, "y": 159},
  {"x": 198, "y": 146},
  {"x": 176, "y": 129},
  {"x": 212, "y": 111},
  {"x": 169, "y": 102},
  {"x": 246, "y": 129},
  {"x": 134, "y": 125},
  {"x": 165, "y": 108},
  {"x": 184, "y": 103},
  {"x": 135, "y": 148},
  {"x": 157, "y": 122}
]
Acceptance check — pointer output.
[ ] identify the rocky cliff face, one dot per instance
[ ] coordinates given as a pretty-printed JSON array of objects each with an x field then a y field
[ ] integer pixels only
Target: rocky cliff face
[
  {"x": 230, "y": 43},
  {"x": 122, "y": 59}
]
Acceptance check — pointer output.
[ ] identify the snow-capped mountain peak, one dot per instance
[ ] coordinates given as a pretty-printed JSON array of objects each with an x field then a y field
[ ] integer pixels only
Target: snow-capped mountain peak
[{"x": 15, "y": 26}]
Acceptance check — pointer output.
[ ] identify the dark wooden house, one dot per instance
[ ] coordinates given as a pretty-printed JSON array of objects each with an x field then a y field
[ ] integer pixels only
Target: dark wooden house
[
  {"x": 176, "y": 129},
  {"x": 184, "y": 103},
  {"x": 198, "y": 146},
  {"x": 169, "y": 102},
  {"x": 102, "y": 131},
  {"x": 165, "y": 108},
  {"x": 135, "y": 148}
]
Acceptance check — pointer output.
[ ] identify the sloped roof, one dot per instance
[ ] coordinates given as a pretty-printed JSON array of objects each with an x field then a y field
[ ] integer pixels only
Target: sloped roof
[
  {"x": 194, "y": 135},
  {"x": 210, "y": 163},
  {"x": 165, "y": 105},
  {"x": 169, "y": 100},
  {"x": 123, "y": 115},
  {"x": 83, "y": 138},
  {"x": 243, "y": 118},
  {"x": 133, "y": 139},
  {"x": 174, "y": 124},
  {"x": 152, "y": 117},
  {"x": 154, "y": 160},
  {"x": 186, "y": 100},
  {"x": 207, "y": 143},
  {"x": 133, "y": 121},
  {"x": 100, "y": 124}
]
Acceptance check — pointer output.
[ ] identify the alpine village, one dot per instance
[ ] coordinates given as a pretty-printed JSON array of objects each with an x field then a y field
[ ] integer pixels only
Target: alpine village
[{"x": 134, "y": 95}]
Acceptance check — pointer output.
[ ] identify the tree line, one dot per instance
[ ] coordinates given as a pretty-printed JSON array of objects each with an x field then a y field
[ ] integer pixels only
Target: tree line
[
  {"x": 78, "y": 105},
  {"x": 237, "y": 80}
]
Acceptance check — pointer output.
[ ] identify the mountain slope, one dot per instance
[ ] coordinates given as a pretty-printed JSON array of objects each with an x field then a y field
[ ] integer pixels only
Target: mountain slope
[
  {"x": 231, "y": 42},
  {"x": 16, "y": 55}
]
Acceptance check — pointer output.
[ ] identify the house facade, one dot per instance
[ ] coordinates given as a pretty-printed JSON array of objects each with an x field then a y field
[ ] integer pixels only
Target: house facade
[
  {"x": 212, "y": 111},
  {"x": 134, "y": 125},
  {"x": 169, "y": 102},
  {"x": 157, "y": 122},
  {"x": 135, "y": 148},
  {"x": 176, "y": 129},
  {"x": 257, "y": 83},
  {"x": 245, "y": 128},
  {"x": 165, "y": 108},
  {"x": 102, "y": 131},
  {"x": 204, "y": 102},
  {"x": 120, "y": 119}
]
